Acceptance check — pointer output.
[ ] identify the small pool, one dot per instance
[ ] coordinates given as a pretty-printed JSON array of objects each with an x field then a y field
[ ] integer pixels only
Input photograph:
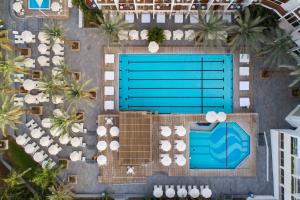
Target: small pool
[
  {"x": 39, "y": 4},
  {"x": 176, "y": 83},
  {"x": 223, "y": 147}
]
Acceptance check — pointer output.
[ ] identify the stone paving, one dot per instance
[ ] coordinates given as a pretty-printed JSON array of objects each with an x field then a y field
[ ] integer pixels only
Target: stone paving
[{"x": 271, "y": 100}]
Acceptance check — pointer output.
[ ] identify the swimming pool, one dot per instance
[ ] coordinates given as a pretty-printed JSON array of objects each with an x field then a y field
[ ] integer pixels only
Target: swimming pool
[
  {"x": 223, "y": 147},
  {"x": 39, "y": 4},
  {"x": 176, "y": 83}
]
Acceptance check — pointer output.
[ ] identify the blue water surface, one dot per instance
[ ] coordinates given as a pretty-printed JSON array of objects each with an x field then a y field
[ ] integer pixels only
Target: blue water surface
[{"x": 33, "y": 4}]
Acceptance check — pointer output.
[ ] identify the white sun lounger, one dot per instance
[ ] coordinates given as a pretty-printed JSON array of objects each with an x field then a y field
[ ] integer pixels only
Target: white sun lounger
[
  {"x": 194, "y": 18},
  {"x": 178, "y": 18},
  {"x": 161, "y": 18},
  {"x": 129, "y": 18},
  {"x": 244, "y": 71},
  {"x": 146, "y": 18},
  {"x": 109, "y": 75},
  {"x": 109, "y": 90},
  {"x": 109, "y": 58},
  {"x": 244, "y": 58},
  {"x": 244, "y": 85},
  {"x": 244, "y": 102},
  {"x": 109, "y": 105}
]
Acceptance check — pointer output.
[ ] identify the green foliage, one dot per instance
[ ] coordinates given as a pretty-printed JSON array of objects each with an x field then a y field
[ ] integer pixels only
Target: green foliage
[
  {"x": 156, "y": 34},
  {"x": 90, "y": 15}
]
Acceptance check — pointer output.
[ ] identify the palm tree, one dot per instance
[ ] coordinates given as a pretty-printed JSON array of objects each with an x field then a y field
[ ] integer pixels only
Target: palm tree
[
  {"x": 296, "y": 75},
  {"x": 65, "y": 121},
  {"x": 63, "y": 71},
  {"x": 54, "y": 31},
  {"x": 51, "y": 85},
  {"x": 247, "y": 32},
  {"x": 5, "y": 42},
  {"x": 62, "y": 192},
  {"x": 110, "y": 26},
  {"x": 9, "y": 66},
  {"x": 277, "y": 52},
  {"x": 10, "y": 114},
  {"x": 76, "y": 91},
  {"x": 211, "y": 30}
]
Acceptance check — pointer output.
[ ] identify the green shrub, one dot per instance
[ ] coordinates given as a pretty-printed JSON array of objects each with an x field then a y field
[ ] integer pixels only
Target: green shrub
[{"x": 156, "y": 34}]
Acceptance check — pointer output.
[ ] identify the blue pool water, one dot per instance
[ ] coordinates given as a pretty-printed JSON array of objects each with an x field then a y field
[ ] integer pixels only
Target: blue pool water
[
  {"x": 176, "y": 83},
  {"x": 224, "y": 147},
  {"x": 39, "y": 4}
]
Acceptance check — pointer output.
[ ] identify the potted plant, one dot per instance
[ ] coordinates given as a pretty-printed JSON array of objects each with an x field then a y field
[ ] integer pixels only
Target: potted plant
[{"x": 156, "y": 34}]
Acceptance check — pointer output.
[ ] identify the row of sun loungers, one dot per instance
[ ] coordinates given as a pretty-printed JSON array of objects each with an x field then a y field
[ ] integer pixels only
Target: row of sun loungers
[
  {"x": 109, "y": 77},
  {"x": 244, "y": 85},
  {"x": 182, "y": 191}
]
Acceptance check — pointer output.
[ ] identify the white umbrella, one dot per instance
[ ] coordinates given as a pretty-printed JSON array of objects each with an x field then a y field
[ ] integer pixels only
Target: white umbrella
[
  {"x": 57, "y": 99},
  {"x": 29, "y": 148},
  {"x": 76, "y": 141},
  {"x": 55, "y": 6},
  {"x": 101, "y": 160},
  {"x": 101, "y": 131},
  {"x": 165, "y": 145},
  {"x": 17, "y": 7},
  {"x": 166, "y": 160},
  {"x": 55, "y": 71},
  {"x": 194, "y": 193},
  {"x": 38, "y": 157},
  {"x": 153, "y": 47},
  {"x": 144, "y": 34},
  {"x": 170, "y": 193},
  {"x": 101, "y": 145},
  {"x": 123, "y": 35},
  {"x": 64, "y": 139},
  {"x": 165, "y": 131},
  {"x": 21, "y": 140},
  {"x": 76, "y": 128},
  {"x": 56, "y": 131},
  {"x": 178, "y": 35},
  {"x": 57, "y": 60},
  {"x": 29, "y": 63},
  {"x": 45, "y": 141},
  {"x": 180, "y": 145},
  {"x": 182, "y": 193},
  {"x": 114, "y": 145},
  {"x": 221, "y": 117},
  {"x": 29, "y": 84},
  {"x": 114, "y": 131},
  {"x": 75, "y": 156},
  {"x": 57, "y": 113},
  {"x": 46, "y": 123},
  {"x": 43, "y": 60},
  {"x": 42, "y": 48},
  {"x": 206, "y": 192},
  {"x": 57, "y": 48},
  {"x": 134, "y": 35},
  {"x": 27, "y": 36},
  {"x": 158, "y": 192},
  {"x": 53, "y": 149},
  {"x": 180, "y": 131},
  {"x": 42, "y": 97},
  {"x": 36, "y": 133},
  {"x": 167, "y": 34},
  {"x": 180, "y": 160},
  {"x": 30, "y": 99},
  {"x": 43, "y": 37},
  {"x": 211, "y": 116}
]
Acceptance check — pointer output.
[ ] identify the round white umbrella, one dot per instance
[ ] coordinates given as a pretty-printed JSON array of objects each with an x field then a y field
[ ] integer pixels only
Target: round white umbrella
[
  {"x": 45, "y": 141},
  {"x": 76, "y": 128},
  {"x": 180, "y": 131},
  {"x": 27, "y": 36},
  {"x": 38, "y": 157},
  {"x": 167, "y": 34},
  {"x": 166, "y": 160},
  {"x": 64, "y": 139},
  {"x": 43, "y": 60},
  {"x": 57, "y": 113},
  {"x": 166, "y": 145},
  {"x": 57, "y": 60},
  {"x": 101, "y": 131},
  {"x": 114, "y": 145},
  {"x": 53, "y": 150},
  {"x": 42, "y": 48},
  {"x": 101, "y": 160},
  {"x": 55, "y": 6},
  {"x": 158, "y": 192},
  {"x": 57, "y": 99},
  {"x": 28, "y": 62},
  {"x": 166, "y": 131},
  {"x": 29, "y": 84},
  {"x": 144, "y": 34},
  {"x": 182, "y": 193},
  {"x": 170, "y": 193},
  {"x": 20, "y": 140},
  {"x": 29, "y": 148},
  {"x": 17, "y": 7},
  {"x": 101, "y": 145},
  {"x": 153, "y": 47},
  {"x": 76, "y": 141},
  {"x": 46, "y": 123},
  {"x": 56, "y": 131},
  {"x": 42, "y": 97},
  {"x": 57, "y": 48},
  {"x": 30, "y": 99},
  {"x": 75, "y": 156},
  {"x": 206, "y": 193},
  {"x": 114, "y": 131},
  {"x": 180, "y": 146},
  {"x": 123, "y": 35},
  {"x": 36, "y": 133},
  {"x": 221, "y": 116},
  {"x": 43, "y": 37},
  {"x": 211, "y": 116},
  {"x": 134, "y": 35},
  {"x": 180, "y": 160},
  {"x": 194, "y": 193}
]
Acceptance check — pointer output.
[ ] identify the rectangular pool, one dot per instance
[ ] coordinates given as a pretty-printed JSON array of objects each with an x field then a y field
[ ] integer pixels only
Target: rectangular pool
[
  {"x": 176, "y": 83},
  {"x": 39, "y": 4}
]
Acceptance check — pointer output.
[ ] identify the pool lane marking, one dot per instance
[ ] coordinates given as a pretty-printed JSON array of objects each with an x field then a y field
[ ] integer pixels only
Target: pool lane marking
[
  {"x": 174, "y": 70},
  {"x": 201, "y": 75},
  {"x": 177, "y": 106},
  {"x": 178, "y": 61},
  {"x": 157, "y": 97},
  {"x": 194, "y": 88},
  {"x": 175, "y": 79}
]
